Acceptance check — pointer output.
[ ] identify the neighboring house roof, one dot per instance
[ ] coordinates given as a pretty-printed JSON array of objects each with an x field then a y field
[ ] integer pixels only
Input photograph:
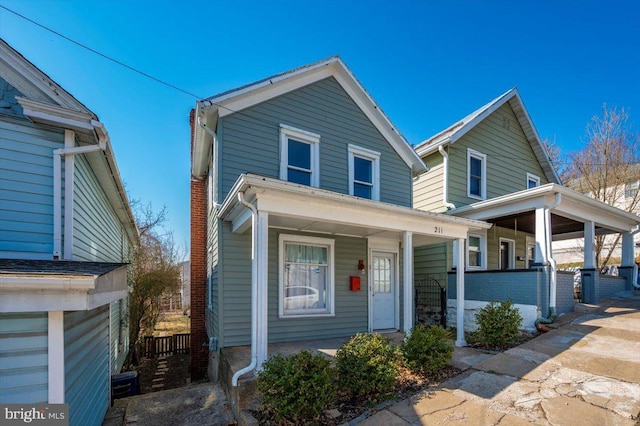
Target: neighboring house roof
[
  {"x": 232, "y": 101},
  {"x": 633, "y": 175},
  {"x": 46, "y": 102},
  {"x": 454, "y": 132}
]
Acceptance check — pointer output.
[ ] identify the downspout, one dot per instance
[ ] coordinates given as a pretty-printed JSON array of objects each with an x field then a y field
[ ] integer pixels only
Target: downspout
[
  {"x": 445, "y": 180},
  {"x": 634, "y": 278},
  {"x": 254, "y": 291},
  {"x": 57, "y": 189},
  {"x": 552, "y": 263},
  {"x": 213, "y": 153}
]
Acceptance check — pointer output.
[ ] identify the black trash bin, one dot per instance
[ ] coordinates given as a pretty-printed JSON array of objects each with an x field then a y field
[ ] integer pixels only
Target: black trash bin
[{"x": 124, "y": 384}]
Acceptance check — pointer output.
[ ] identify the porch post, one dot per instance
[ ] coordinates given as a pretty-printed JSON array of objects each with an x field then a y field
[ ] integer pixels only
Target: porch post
[
  {"x": 460, "y": 293},
  {"x": 55, "y": 339},
  {"x": 589, "y": 252},
  {"x": 628, "y": 268},
  {"x": 541, "y": 256},
  {"x": 263, "y": 287},
  {"x": 407, "y": 272}
]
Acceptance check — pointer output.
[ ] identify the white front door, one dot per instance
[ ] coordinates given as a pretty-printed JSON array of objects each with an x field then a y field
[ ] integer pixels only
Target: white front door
[{"x": 383, "y": 290}]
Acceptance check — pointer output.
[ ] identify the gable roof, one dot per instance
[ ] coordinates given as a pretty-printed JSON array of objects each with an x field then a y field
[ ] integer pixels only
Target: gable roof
[
  {"x": 235, "y": 100},
  {"x": 44, "y": 101},
  {"x": 454, "y": 132}
]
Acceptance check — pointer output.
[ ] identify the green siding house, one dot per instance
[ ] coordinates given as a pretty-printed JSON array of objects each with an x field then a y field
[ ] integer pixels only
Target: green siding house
[
  {"x": 302, "y": 218},
  {"x": 66, "y": 232},
  {"x": 492, "y": 166}
]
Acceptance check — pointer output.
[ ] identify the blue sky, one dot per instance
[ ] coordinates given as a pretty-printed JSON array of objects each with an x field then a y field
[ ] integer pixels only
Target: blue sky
[{"x": 426, "y": 63}]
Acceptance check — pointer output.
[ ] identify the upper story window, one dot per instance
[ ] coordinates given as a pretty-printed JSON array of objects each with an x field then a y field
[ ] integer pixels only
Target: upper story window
[
  {"x": 364, "y": 173},
  {"x": 299, "y": 156},
  {"x": 306, "y": 276},
  {"x": 533, "y": 181},
  {"x": 476, "y": 174},
  {"x": 631, "y": 189}
]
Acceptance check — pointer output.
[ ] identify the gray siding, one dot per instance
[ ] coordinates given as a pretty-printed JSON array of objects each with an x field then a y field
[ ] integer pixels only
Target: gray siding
[
  {"x": 87, "y": 378},
  {"x": 119, "y": 334},
  {"x": 212, "y": 313},
  {"x": 23, "y": 358},
  {"x": 351, "y": 311},
  {"x": 509, "y": 157},
  {"x": 431, "y": 260},
  {"x": 323, "y": 108},
  {"x": 26, "y": 188},
  {"x": 427, "y": 189},
  {"x": 97, "y": 233}
]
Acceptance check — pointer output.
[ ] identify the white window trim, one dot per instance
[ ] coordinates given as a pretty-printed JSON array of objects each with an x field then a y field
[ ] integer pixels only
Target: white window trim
[
  {"x": 330, "y": 243},
  {"x": 483, "y": 252},
  {"x": 374, "y": 157},
  {"x": 512, "y": 253},
  {"x": 532, "y": 177},
  {"x": 483, "y": 183},
  {"x": 304, "y": 136}
]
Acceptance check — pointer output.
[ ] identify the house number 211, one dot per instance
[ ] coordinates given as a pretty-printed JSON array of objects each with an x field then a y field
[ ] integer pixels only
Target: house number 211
[{"x": 437, "y": 229}]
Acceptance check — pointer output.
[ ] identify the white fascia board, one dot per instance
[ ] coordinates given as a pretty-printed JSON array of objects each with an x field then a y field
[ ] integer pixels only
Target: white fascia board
[
  {"x": 47, "y": 282},
  {"x": 40, "y": 112},
  {"x": 251, "y": 95},
  {"x": 37, "y": 78},
  {"x": 201, "y": 142}
]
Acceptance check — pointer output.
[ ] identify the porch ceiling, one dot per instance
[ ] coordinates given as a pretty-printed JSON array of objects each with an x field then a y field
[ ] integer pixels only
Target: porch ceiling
[{"x": 560, "y": 226}]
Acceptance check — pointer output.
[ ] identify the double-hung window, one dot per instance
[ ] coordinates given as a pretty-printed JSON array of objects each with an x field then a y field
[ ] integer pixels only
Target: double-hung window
[
  {"x": 476, "y": 251},
  {"x": 299, "y": 156},
  {"x": 364, "y": 173},
  {"x": 476, "y": 174},
  {"x": 306, "y": 276},
  {"x": 533, "y": 181},
  {"x": 631, "y": 189}
]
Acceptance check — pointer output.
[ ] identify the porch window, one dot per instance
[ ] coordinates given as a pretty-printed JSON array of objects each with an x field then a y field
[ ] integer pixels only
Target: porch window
[
  {"x": 299, "y": 156},
  {"x": 306, "y": 276},
  {"x": 533, "y": 181},
  {"x": 476, "y": 246},
  {"x": 364, "y": 173},
  {"x": 477, "y": 174}
]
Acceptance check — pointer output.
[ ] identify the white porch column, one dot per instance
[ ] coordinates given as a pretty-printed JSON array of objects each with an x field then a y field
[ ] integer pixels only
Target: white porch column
[
  {"x": 407, "y": 271},
  {"x": 262, "y": 225},
  {"x": 589, "y": 252},
  {"x": 627, "y": 249},
  {"x": 454, "y": 260},
  {"x": 55, "y": 340},
  {"x": 541, "y": 256},
  {"x": 460, "y": 293}
]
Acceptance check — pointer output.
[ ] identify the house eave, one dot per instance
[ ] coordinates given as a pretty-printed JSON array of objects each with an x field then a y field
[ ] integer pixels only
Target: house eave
[{"x": 237, "y": 100}]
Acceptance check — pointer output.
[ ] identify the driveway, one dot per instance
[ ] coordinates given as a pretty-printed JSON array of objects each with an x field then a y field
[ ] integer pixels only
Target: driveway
[{"x": 585, "y": 371}]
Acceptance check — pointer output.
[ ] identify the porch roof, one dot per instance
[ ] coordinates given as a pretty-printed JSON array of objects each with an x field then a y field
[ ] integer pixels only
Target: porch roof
[
  {"x": 573, "y": 210},
  {"x": 301, "y": 208}
]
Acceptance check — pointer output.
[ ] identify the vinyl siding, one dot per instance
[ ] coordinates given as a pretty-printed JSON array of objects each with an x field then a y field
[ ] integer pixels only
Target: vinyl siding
[
  {"x": 26, "y": 188},
  {"x": 432, "y": 260},
  {"x": 23, "y": 358},
  {"x": 212, "y": 313},
  {"x": 493, "y": 246},
  {"x": 8, "y": 103},
  {"x": 323, "y": 108},
  {"x": 351, "y": 309},
  {"x": 97, "y": 233},
  {"x": 119, "y": 333},
  {"x": 509, "y": 157},
  {"x": 427, "y": 189},
  {"x": 87, "y": 378}
]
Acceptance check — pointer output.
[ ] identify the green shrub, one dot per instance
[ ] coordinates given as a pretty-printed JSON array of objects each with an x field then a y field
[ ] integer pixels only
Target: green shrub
[
  {"x": 368, "y": 366},
  {"x": 427, "y": 349},
  {"x": 499, "y": 324},
  {"x": 297, "y": 388}
]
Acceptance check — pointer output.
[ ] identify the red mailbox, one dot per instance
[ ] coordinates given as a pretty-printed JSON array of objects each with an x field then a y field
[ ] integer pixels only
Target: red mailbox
[{"x": 355, "y": 283}]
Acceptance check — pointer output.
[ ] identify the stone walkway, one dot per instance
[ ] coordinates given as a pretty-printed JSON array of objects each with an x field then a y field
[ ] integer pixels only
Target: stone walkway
[{"x": 583, "y": 372}]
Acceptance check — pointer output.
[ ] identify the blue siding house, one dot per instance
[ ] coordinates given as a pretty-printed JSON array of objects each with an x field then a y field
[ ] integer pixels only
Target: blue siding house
[
  {"x": 66, "y": 234},
  {"x": 302, "y": 218}
]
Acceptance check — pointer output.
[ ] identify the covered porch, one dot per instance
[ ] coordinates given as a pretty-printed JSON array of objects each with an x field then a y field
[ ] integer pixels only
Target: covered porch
[
  {"x": 552, "y": 213},
  {"x": 360, "y": 242}
]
